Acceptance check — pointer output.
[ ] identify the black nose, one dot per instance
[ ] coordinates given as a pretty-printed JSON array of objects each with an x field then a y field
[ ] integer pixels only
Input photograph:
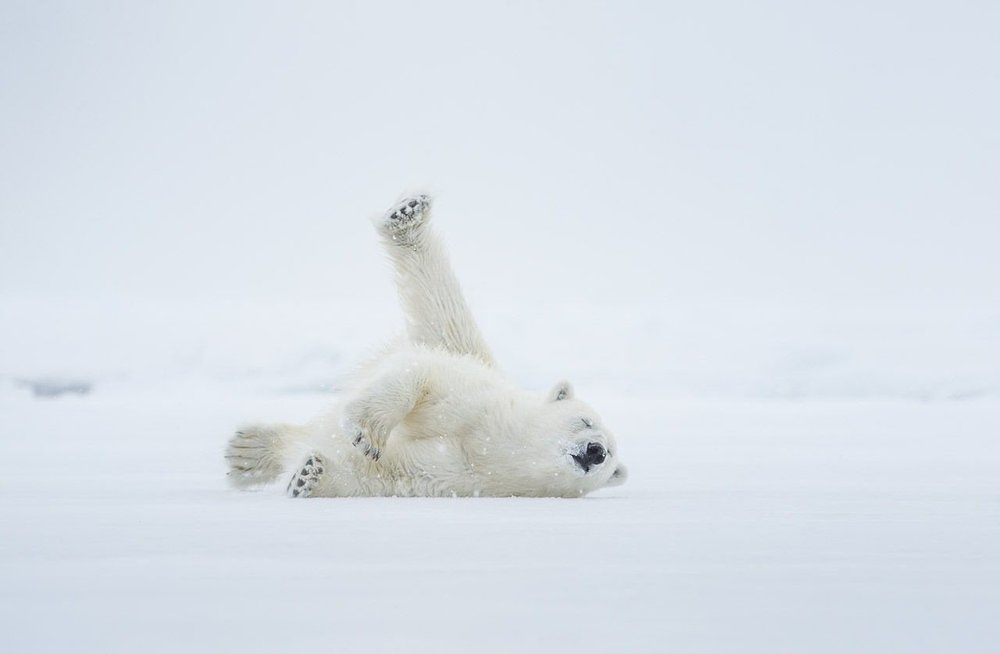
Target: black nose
[{"x": 594, "y": 455}]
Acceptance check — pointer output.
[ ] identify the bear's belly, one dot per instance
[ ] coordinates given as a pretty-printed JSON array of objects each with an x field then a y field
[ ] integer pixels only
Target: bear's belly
[{"x": 431, "y": 467}]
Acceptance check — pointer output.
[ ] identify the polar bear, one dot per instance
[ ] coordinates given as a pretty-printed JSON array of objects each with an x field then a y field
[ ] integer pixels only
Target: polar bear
[{"x": 432, "y": 415}]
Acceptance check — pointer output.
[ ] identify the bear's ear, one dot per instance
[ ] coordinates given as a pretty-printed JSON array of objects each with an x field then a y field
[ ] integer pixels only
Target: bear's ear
[{"x": 561, "y": 391}]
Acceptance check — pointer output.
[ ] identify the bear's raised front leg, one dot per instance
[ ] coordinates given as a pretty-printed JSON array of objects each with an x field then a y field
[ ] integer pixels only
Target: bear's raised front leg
[
  {"x": 307, "y": 477},
  {"x": 370, "y": 416},
  {"x": 435, "y": 309}
]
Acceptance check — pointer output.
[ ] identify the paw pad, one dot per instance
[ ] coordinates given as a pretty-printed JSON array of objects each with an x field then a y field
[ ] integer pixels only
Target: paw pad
[
  {"x": 408, "y": 212},
  {"x": 307, "y": 478}
]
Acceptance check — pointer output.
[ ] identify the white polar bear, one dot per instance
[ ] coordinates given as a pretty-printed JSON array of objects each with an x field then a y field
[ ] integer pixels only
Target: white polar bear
[{"x": 432, "y": 415}]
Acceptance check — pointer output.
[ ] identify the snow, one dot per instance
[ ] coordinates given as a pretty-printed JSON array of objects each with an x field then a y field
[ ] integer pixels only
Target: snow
[{"x": 816, "y": 522}]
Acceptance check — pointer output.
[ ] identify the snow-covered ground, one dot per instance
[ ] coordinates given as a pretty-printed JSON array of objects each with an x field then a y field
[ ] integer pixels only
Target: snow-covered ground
[{"x": 802, "y": 487}]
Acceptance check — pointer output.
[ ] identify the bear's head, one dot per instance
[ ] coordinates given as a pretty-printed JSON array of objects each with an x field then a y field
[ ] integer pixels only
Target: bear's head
[{"x": 584, "y": 453}]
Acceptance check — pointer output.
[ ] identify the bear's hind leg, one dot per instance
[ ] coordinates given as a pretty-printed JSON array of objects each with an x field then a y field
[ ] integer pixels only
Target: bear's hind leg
[{"x": 255, "y": 452}]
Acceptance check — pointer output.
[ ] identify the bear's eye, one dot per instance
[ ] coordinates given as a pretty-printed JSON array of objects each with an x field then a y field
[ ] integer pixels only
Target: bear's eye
[{"x": 587, "y": 422}]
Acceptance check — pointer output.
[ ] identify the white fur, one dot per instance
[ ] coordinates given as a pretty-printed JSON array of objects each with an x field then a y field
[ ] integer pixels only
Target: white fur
[{"x": 432, "y": 416}]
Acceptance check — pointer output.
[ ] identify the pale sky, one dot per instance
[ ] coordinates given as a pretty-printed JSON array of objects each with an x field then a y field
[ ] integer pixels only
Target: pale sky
[{"x": 618, "y": 149}]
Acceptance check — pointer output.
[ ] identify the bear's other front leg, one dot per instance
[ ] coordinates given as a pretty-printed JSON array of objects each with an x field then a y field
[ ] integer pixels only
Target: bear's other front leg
[
  {"x": 370, "y": 416},
  {"x": 307, "y": 477}
]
